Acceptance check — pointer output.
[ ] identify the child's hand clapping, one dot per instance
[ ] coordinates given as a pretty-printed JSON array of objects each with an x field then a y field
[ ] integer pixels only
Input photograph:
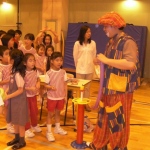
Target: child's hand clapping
[
  {"x": 53, "y": 88},
  {"x": 34, "y": 89}
]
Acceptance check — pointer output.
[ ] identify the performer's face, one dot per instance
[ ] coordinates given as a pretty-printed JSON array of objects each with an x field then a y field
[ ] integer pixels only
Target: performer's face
[{"x": 110, "y": 30}]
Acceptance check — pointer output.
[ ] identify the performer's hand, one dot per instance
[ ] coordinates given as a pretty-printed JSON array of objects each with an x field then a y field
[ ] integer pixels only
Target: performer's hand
[{"x": 101, "y": 57}]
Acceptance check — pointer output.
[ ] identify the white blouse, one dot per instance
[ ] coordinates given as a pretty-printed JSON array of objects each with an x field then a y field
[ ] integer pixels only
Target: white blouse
[
  {"x": 19, "y": 80},
  {"x": 83, "y": 57}
]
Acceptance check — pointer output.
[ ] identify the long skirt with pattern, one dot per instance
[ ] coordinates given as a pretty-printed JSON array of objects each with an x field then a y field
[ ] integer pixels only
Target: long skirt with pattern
[{"x": 113, "y": 125}]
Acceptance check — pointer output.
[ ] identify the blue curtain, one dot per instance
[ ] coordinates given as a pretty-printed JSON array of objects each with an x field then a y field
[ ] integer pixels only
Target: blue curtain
[{"x": 139, "y": 33}]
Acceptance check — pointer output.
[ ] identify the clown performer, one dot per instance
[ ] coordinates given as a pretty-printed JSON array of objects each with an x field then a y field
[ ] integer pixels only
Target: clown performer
[{"x": 121, "y": 65}]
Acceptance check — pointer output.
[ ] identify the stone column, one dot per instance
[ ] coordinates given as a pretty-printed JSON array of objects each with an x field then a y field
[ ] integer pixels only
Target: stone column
[{"x": 55, "y": 16}]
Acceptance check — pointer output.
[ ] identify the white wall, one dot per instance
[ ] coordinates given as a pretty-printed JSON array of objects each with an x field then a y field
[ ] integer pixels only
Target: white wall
[
  {"x": 8, "y": 16},
  {"x": 30, "y": 16}
]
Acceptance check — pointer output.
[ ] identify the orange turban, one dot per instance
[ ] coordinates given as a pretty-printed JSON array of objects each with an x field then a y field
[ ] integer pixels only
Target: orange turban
[{"x": 113, "y": 19}]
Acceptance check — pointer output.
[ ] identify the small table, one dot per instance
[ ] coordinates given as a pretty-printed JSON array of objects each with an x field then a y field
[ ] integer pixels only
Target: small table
[{"x": 75, "y": 87}]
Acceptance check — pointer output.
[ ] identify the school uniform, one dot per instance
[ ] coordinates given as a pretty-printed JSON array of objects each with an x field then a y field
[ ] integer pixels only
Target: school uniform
[
  {"x": 24, "y": 50},
  {"x": 40, "y": 62},
  {"x": 30, "y": 81},
  {"x": 5, "y": 71},
  {"x": 18, "y": 105}
]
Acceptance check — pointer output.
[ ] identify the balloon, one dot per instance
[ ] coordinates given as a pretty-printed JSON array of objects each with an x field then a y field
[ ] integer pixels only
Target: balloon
[
  {"x": 42, "y": 78},
  {"x": 97, "y": 25},
  {"x": 2, "y": 93}
]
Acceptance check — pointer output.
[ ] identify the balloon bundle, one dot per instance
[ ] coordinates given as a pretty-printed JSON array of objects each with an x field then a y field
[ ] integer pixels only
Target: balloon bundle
[{"x": 2, "y": 96}]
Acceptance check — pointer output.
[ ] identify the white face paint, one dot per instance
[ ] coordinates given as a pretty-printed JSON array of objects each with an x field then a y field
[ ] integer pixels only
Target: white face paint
[{"x": 107, "y": 34}]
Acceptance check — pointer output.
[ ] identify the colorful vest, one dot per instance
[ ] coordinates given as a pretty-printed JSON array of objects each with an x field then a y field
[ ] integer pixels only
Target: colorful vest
[{"x": 116, "y": 52}]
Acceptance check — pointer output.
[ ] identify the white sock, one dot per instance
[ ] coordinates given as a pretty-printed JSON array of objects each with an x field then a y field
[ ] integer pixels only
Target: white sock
[
  {"x": 57, "y": 125},
  {"x": 88, "y": 143},
  {"x": 49, "y": 126}
]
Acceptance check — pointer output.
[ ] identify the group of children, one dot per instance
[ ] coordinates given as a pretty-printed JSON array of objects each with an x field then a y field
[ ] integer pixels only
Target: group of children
[{"x": 20, "y": 70}]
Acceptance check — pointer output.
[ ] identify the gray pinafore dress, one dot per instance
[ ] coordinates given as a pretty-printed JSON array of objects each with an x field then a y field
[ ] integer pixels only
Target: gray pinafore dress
[{"x": 17, "y": 106}]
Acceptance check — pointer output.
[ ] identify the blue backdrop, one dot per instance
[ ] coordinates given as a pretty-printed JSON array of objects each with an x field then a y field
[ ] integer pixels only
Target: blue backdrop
[{"x": 139, "y": 33}]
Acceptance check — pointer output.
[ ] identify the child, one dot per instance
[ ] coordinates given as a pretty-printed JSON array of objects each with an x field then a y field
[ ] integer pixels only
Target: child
[
  {"x": 40, "y": 59},
  {"x": 48, "y": 53},
  {"x": 5, "y": 67},
  {"x": 39, "y": 37},
  {"x": 12, "y": 33},
  {"x": 47, "y": 40},
  {"x": 32, "y": 85},
  {"x": 17, "y": 106},
  {"x": 40, "y": 66},
  {"x": 29, "y": 46},
  {"x": 5, "y": 70},
  {"x": 8, "y": 40},
  {"x": 2, "y": 33},
  {"x": 56, "y": 94},
  {"x": 17, "y": 37},
  {"x": 55, "y": 36}
]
